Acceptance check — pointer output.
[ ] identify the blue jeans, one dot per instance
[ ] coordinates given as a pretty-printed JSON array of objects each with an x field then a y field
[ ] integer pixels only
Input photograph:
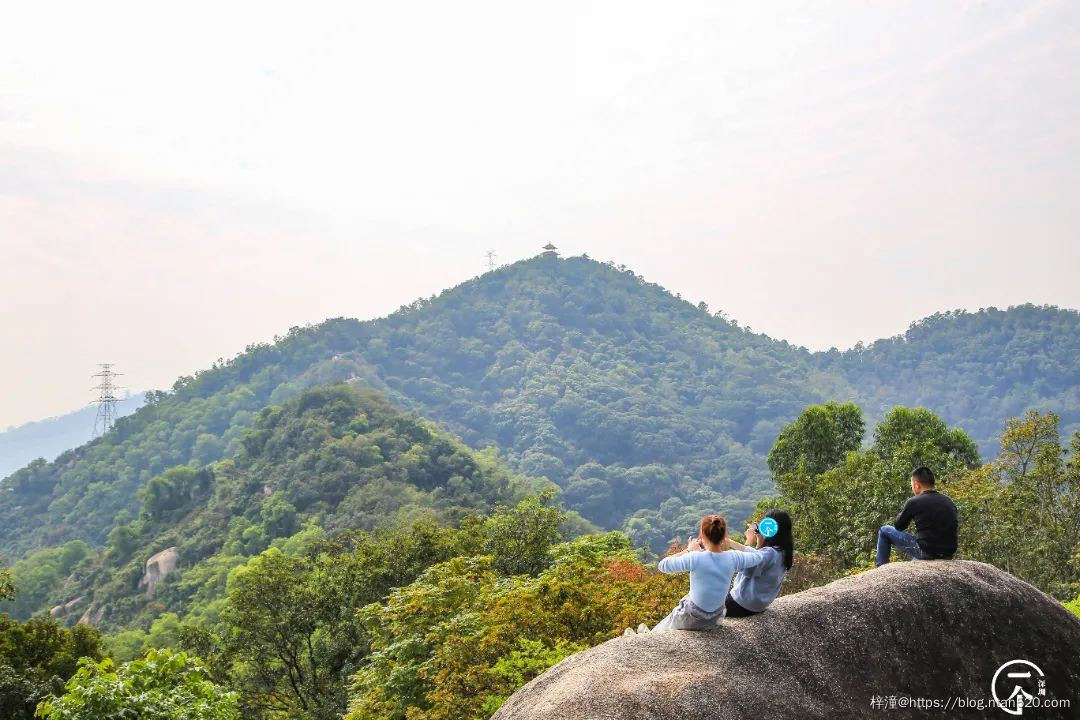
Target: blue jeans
[{"x": 888, "y": 537}]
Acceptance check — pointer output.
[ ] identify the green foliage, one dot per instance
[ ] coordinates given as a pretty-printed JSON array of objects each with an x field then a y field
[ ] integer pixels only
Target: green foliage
[
  {"x": 38, "y": 577},
  {"x": 330, "y": 459},
  {"x": 1022, "y": 511},
  {"x": 162, "y": 686},
  {"x": 36, "y": 659},
  {"x": 912, "y": 437},
  {"x": 288, "y": 638},
  {"x": 974, "y": 369},
  {"x": 818, "y": 440},
  {"x": 133, "y": 644},
  {"x": 289, "y": 620},
  {"x": 839, "y": 497},
  {"x": 1073, "y": 606},
  {"x": 531, "y": 658},
  {"x": 624, "y": 395},
  {"x": 461, "y": 638},
  {"x": 7, "y": 584},
  {"x": 174, "y": 490},
  {"x": 519, "y": 539}
]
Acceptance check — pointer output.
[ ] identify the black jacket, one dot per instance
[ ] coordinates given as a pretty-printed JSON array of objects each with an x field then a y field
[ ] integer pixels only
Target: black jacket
[{"x": 935, "y": 520}]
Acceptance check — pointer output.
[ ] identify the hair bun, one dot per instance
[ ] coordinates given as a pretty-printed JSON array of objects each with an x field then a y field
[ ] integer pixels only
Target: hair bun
[{"x": 714, "y": 527}]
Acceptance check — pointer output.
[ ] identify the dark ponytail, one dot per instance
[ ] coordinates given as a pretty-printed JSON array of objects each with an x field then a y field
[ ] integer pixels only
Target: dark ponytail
[{"x": 782, "y": 540}]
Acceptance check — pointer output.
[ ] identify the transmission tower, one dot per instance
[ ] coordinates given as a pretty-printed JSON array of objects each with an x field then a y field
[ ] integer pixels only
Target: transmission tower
[
  {"x": 490, "y": 255},
  {"x": 106, "y": 402}
]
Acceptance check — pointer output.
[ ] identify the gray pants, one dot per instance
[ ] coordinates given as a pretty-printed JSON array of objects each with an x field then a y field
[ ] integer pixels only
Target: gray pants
[{"x": 688, "y": 616}]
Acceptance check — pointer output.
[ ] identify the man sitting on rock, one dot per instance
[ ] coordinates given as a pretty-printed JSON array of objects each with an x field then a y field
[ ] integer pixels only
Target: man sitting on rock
[{"x": 935, "y": 521}]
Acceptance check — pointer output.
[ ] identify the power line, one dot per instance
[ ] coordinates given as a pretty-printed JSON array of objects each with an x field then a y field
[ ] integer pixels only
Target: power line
[{"x": 106, "y": 402}]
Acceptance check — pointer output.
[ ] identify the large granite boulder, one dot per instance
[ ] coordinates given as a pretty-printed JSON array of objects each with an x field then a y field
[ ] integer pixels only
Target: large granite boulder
[
  {"x": 908, "y": 633},
  {"x": 65, "y": 609},
  {"x": 157, "y": 567}
]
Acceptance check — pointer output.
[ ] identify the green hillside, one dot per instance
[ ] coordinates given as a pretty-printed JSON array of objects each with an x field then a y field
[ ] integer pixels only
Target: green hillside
[
  {"x": 643, "y": 407},
  {"x": 975, "y": 369},
  {"x": 331, "y": 459}
]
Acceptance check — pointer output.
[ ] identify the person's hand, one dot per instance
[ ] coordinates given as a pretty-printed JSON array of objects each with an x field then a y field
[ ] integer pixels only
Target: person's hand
[{"x": 751, "y": 536}]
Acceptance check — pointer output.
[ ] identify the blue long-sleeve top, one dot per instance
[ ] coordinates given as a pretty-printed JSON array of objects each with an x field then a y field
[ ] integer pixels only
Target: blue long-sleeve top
[
  {"x": 710, "y": 573},
  {"x": 755, "y": 588}
]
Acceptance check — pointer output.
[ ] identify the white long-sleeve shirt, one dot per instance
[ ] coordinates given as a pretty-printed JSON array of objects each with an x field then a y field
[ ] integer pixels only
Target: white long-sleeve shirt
[{"x": 710, "y": 573}]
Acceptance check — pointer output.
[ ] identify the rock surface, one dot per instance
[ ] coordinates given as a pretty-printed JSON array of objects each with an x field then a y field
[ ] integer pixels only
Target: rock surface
[
  {"x": 91, "y": 616},
  {"x": 929, "y": 630},
  {"x": 66, "y": 608},
  {"x": 158, "y": 566}
]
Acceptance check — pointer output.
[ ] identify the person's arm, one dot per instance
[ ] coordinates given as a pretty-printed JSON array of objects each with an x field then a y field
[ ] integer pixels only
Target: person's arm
[
  {"x": 904, "y": 518},
  {"x": 745, "y": 559},
  {"x": 753, "y": 540},
  {"x": 679, "y": 563}
]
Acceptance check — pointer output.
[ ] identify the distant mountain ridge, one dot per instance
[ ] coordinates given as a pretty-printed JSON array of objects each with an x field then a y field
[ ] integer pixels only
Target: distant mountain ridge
[
  {"x": 51, "y": 436},
  {"x": 635, "y": 402}
]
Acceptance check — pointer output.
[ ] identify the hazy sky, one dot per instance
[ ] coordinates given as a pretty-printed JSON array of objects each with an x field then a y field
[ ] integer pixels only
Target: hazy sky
[{"x": 179, "y": 180}]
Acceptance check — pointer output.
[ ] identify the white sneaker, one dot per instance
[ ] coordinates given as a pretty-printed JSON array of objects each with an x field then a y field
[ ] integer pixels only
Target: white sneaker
[
  {"x": 628, "y": 631},
  {"x": 642, "y": 628}
]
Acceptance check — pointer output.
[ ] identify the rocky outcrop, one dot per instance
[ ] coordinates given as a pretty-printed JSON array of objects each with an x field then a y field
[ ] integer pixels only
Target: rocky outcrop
[
  {"x": 864, "y": 646},
  {"x": 91, "y": 616},
  {"x": 61, "y": 610},
  {"x": 157, "y": 567}
]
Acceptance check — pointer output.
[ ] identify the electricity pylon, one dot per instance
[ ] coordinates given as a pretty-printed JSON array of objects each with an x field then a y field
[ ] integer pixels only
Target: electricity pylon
[{"x": 106, "y": 402}]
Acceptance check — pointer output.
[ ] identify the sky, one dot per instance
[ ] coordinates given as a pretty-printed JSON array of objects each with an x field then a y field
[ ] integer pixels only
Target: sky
[{"x": 178, "y": 181}]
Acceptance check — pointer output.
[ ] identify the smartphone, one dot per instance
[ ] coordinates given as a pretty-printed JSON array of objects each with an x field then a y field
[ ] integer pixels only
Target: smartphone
[{"x": 752, "y": 527}]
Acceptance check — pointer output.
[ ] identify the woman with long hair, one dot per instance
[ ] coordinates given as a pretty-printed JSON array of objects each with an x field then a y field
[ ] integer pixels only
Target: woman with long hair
[
  {"x": 710, "y": 568},
  {"x": 756, "y": 587}
]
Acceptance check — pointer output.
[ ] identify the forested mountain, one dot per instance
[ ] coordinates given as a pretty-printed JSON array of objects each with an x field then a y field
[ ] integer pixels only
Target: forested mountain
[
  {"x": 48, "y": 438},
  {"x": 332, "y": 459},
  {"x": 643, "y": 407},
  {"x": 319, "y": 535},
  {"x": 975, "y": 369}
]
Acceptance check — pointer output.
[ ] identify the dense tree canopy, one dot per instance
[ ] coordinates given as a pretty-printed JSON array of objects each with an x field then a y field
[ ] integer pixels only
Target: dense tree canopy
[
  {"x": 627, "y": 397},
  {"x": 330, "y": 459},
  {"x": 162, "y": 686},
  {"x": 1020, "y": 512},
  {"x": 338, "y": 553},
  {"x": 36, "y": 659}
]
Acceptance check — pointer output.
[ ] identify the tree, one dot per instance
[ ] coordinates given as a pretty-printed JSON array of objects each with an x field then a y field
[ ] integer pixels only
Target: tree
[
  {"x": 36, "y": 658},
  {"x": 36, "y": 576},
  {"x": 913, "y": 437},
  {"x": 1022, "y": 511},
  {"x": 519, "y": 539},
  {"x": 174, "y": 489},
  {"x": 290, "y": 636},
  {"x": 456, "y": 642},
  {"x": 817, "y": 441},
  {"x": 838, "y": 511},
  {"x": 162, "y": 686},
  {"x": 7, "y": 584}
]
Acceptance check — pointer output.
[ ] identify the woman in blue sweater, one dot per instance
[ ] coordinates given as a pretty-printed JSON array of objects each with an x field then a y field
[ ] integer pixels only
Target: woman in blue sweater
[
  {"x": 710, "y": 568},
  {"x": 755, "y": 588}
]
